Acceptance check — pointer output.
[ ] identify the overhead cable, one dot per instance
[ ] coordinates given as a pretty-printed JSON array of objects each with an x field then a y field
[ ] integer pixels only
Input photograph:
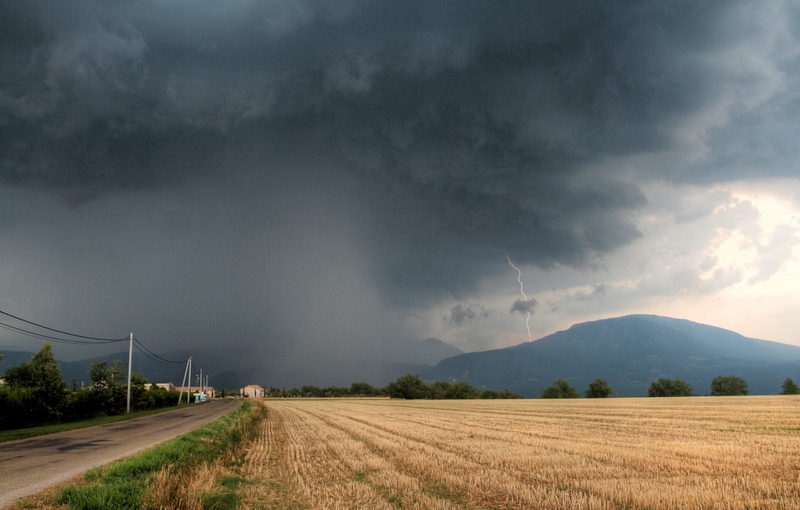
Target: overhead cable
[
  {"x": 107, "y": 340},
  {"x": 57, "y": 339},
  {"x": 153, "y": 356}
]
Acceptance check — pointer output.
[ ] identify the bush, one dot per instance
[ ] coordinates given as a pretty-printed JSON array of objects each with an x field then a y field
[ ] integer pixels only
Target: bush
[
  {"x": 15, "y": 405},
  {"x": 670, "y": 388},
  {"x": 729, "y": 386},
  {"x": 598, "y": 388},
  {"x": 560, "y": 389}
]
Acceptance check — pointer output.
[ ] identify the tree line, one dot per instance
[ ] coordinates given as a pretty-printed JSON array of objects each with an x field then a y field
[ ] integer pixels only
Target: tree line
[
  {"x": 356, "y": 389},
  {"x": 731, "y": 385},
  {"x": 35, "y": 394},
  {"x": 409, "y": 386}
]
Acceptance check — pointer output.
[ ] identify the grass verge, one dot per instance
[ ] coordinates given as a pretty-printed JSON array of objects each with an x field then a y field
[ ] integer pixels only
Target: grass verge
[
  {"x": 188, "y": 472},
  {"x": 10, "y": 435}
]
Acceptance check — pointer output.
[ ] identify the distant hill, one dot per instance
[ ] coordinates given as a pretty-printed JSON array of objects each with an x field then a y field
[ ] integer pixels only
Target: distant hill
[
  {"x": 630, "y": 353},
  {"x": 414, "y": 358},
  {"x": 431, "y": 351}
]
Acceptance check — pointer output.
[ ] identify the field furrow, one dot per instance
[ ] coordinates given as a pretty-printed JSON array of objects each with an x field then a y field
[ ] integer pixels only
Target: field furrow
[{"x": 600, "y": 454}]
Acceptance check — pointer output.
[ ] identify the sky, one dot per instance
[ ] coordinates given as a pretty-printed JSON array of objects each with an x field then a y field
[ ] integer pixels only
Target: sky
[{"x": 319, "y": 183}]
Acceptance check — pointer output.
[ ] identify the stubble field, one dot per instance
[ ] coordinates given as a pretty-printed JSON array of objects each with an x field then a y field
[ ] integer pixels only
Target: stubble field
[{"x": 699, "y": 452}]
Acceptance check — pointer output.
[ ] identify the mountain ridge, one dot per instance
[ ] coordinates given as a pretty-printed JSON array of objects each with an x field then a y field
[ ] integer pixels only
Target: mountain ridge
[{"x": 629, "y": 352}]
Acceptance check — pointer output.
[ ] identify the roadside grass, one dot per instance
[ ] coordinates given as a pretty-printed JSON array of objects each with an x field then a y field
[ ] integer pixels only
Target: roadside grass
[
  {"x": 192, "y": 471},
  {"x": 10, "y": 435}
]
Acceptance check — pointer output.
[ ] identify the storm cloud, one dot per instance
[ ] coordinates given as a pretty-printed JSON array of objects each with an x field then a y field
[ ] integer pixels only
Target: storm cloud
[{"x": 404, "y": 146}]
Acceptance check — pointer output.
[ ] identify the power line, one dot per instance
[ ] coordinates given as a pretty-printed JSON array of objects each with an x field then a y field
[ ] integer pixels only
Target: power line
[
  {"x": 54, "y": 338},
  {"x": 107, "y": 340},
  {"x": 153, "y": 356},
  {"x": 88, "y": 340}
]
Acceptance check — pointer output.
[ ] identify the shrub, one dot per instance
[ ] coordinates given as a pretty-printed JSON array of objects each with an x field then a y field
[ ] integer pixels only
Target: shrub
[{"x": 15, "y": 403}]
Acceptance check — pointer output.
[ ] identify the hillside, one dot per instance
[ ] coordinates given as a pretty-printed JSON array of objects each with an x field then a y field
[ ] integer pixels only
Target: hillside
[{"x": 629, "y": 352}]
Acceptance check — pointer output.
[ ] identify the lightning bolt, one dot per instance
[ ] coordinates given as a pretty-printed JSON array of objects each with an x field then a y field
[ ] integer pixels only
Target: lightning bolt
[{"x": 522, "y": 291}]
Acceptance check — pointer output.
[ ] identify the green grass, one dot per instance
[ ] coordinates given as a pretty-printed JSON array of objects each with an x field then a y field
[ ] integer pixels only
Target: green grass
[
  {"x": 124, "y": 484},
  {"x": 10, "y": 435}
]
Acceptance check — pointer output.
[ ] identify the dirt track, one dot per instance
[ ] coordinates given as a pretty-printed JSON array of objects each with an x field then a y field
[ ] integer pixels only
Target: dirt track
[{"x": 29, "y": 465}]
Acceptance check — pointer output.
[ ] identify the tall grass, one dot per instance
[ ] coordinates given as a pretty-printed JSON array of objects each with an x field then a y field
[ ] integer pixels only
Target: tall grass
[{"x": 180, "y": 473}]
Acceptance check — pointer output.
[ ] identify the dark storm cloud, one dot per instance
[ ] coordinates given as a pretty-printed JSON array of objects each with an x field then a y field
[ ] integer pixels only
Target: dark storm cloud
[
  {"x": 460, "y": 313},
  {"x": 468, "y": 129},
  {"x": 524, "y": 307}
]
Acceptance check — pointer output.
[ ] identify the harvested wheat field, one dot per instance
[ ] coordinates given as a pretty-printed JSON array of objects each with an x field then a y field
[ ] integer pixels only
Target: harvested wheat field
[{"x": 698, "y": 452}]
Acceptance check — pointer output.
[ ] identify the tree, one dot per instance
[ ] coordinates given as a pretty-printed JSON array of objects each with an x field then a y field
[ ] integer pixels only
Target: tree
[
  {"x": 140, "y": 398},
  {"x": 108, "y": 395},
  {"x": 670, "y": 388},
  {"x": 311, "y": 391},
  {"x": 364, "y": 389},
  {"x": 460, "y": 390},
  {"x": 731, "y": 385},
  {"x": 43, "y": 376},
  {"x": 409, "y": 387},
  {"x": 790, "y": 388},
  {"x": 598, "y": 388},
  {"x": 560, "y": 389},
  {"x": 504, "y": 393}
]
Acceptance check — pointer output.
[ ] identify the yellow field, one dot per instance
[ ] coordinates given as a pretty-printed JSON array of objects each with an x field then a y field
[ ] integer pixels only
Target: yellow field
[{"x": 699, "y": 452}]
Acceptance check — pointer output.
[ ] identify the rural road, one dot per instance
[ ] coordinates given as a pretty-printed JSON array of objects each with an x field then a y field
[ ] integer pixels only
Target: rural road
[{"x": 29, "y": 465}]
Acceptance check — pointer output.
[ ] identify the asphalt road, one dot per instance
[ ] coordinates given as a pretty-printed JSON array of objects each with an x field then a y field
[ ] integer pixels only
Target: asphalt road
[{"x": 28, "y": 466}]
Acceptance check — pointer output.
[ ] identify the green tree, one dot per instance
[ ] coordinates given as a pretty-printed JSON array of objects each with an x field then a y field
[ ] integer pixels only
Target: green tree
[
  {"x": 311, "y": 391},
  {"x": 460, "y": 390},
  {"x": 731, "y": 385},
  {"x": 43, "y": 376},
  {"x": 108, "y": 394},
  {"x": 670, "y": 388},
  {"x": 363, "y": 389},
  {"x": 560, "y": 389},
  {"x": 506, "y": 393},
  {"x": 330, "y": 391},
  {"x": 790, "y": 388},
  {"x": 409, "y": 387},
  {"x": 140, "y": 398},
  {"x": 598, "y": 388}
]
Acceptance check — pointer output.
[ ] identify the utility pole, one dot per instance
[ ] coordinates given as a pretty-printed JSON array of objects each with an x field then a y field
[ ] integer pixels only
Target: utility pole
[
  {"x": 130, "y": 359},
  {"x": 191, "y": 367},
  {"x": 183, "y": 382}
]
